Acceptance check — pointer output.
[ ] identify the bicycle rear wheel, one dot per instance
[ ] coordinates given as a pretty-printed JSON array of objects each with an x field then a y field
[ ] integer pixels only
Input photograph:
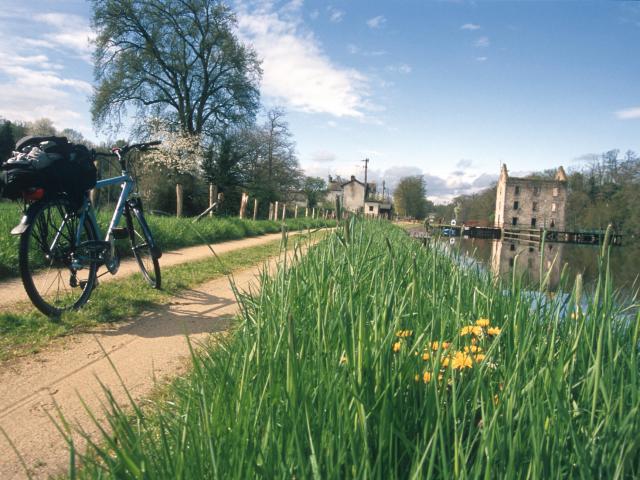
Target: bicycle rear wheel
[
  {"x": 52, "y": 274},
  {"x": 142, "y": 245}
]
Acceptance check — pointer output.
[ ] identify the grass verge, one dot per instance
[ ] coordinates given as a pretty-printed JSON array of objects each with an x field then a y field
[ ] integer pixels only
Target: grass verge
[
  {"x": 24, "y": 330},
  {"x": 169, "y": 232},
  {"x": 374, "y": 357}
]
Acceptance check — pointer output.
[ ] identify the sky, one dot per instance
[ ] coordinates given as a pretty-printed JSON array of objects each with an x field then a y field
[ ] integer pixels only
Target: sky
[{"x": 446, "y": 89}]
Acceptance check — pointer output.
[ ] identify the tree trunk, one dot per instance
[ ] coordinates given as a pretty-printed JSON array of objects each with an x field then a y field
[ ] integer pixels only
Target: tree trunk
[{"x": 179, "y": 198}]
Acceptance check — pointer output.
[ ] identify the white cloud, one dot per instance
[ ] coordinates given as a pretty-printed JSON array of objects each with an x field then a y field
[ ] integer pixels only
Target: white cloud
[
  {"x": 470, "y": 26},
  {"x": 482, "y": 59},
  {"x": 376, "y": 22},
  {"x": 335, "y": 15},
  {"x": 323, "y": 156},
  {"x": 296, "y": 70},
  {"x": 70, "y": 32},
  {"x": 482, "y": 42},
  {"x": 628, "y": 113},
  {"x": 400, "y": 68}
]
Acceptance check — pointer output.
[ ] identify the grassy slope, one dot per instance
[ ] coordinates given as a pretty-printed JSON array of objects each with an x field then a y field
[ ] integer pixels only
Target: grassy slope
[
  {"x": 169, "y": 232},
  {"x": 317, "y": 382},
  {"x": 24, "y": 330}
]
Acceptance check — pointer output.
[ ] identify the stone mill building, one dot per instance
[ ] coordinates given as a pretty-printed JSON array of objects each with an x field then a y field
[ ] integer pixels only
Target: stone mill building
[{"x": 524, "y": 203}]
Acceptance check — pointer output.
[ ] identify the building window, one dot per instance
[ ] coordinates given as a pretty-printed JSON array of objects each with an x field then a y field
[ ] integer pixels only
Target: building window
[
  {"x": 536, "y": 190},
  {"x": 533, "y": 222},
  {"x": 556, "y": 192},
  {"x": 535, "y": 206},
  {"x": 531, "y": 249},
  {"x": 517, "y": 190},
  {"x": 514, "y": 221},
  {"x": 512, "y": 247},
  {"x": 371, "y": 208},
  {"x": 516, "y": 205},
  {"x": 553, "y": 207},
  {"x": 553, "y": 223}
]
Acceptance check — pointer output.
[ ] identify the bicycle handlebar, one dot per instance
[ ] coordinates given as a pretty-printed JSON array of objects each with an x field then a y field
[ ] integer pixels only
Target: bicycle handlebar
[{"x": 127, "y": 148}]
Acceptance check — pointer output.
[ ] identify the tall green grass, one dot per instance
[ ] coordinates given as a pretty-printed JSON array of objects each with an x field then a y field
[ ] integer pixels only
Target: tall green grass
[
  {"x": 169, "y": 232},
  {"x": 325, "y": 378}
]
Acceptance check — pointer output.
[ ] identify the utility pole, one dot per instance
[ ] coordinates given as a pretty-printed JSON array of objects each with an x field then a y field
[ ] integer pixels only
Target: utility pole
[
  {"x": 366, "y": 186},
  {"x": 383, "y": 185}
]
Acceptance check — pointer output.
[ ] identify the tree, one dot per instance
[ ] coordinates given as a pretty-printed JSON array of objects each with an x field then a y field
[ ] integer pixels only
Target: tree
[
  {"x": 314, "y": 188},
  {"x": 410, "y": 197},
  {"x": 43, "y": 127},
  {"x": 175, "y": 59},
  {"x": 180, "y": 153},
  {"x": 7, "y": 141}
]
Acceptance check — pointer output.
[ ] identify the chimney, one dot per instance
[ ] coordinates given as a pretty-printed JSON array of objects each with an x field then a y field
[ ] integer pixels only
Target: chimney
[{"x": 353, "y": 178}]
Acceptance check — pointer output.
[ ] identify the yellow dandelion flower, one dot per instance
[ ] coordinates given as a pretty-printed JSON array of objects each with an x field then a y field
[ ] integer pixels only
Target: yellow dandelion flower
[
  {"x": 479, "y": 357},
  {"x": 426, "y": 356},
  {"x": 482, "y": 322},
  {"x": 426, "y": 377},
  {"x": 404, "y": 333},
  {"x": 493, "y": 331},
  {"x": 445, "y": 345},
  {"x": 461, "y": 360},
  {"x": 445, "y": 361},
  {"x": 440, "y": 377},
  {"x": 396, "y": 346},
  {"x": 471, "y": 330},
  {"x": 474, "y": 340},
  {"x": 472, "y": 349},
  {"x": 417, "y": 378}
]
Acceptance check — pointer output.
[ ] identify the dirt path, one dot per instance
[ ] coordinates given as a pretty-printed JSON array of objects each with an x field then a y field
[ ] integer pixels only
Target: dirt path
[
  {"x": 13, "y": 291},
  {"x": 151, "y": 347}
]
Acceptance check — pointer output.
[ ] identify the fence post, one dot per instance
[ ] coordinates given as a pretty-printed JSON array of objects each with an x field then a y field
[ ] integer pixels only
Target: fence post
[
  {"x": 295, "y": 212},
  {"x": 313, "y": 212},
  {"x": 243, "y": 204},
  {"x": 276, "y": 213},
  {"x": 270, "y": 210},
  {"x": 255, "y": 208},
  {"x": 284, "y": 211},
  {"x": 213, "y": 195},
  {"x": 306, "y": 212}
]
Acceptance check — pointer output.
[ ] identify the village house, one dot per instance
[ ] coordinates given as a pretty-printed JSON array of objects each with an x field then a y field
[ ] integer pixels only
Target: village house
[{"x": 531, "y": 203}]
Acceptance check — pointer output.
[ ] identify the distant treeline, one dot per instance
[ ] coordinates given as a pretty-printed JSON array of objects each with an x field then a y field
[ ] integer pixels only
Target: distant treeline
[{"x": 605, "y": 189}]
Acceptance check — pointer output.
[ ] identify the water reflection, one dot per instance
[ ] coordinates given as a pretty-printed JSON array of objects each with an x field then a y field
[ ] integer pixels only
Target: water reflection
[
  {"x": 503, "y": 256},
  {"x": 526, "y": 259}
]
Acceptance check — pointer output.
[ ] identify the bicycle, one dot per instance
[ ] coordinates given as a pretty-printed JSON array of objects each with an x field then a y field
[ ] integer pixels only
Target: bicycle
[{"x": 61, "y": 248}]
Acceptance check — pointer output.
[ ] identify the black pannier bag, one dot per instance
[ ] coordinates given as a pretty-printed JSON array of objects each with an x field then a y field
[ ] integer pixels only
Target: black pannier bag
[{"x": 50, "y": 163}]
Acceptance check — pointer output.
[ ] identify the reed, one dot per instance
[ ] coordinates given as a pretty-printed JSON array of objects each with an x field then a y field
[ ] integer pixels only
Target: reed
[{"x": 374, "y": 357}]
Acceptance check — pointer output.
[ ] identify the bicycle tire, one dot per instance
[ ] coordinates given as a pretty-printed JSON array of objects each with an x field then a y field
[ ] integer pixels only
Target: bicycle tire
[
  {"x": 37, "y": 262},
  {"x": 141, "y": 246}
]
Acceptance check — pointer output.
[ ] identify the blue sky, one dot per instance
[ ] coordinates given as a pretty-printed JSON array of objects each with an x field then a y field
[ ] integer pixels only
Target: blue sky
[{"x": 449, "y": 89}]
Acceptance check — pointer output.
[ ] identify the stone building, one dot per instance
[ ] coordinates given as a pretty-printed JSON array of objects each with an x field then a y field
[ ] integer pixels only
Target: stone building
[
  {"x": 354, "y": 194},
  {"x": 531, "y": 202},
  {"x": 377, "y": 208}
]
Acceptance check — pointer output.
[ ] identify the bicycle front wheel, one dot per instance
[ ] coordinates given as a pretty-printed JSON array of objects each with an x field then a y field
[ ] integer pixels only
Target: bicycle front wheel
[
  {"x": 54, "y": 276},
  {"x": 142, "y": 246}
]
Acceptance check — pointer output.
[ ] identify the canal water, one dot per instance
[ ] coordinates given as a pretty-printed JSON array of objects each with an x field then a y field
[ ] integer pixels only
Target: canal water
[{"x": 503, "y": 256}]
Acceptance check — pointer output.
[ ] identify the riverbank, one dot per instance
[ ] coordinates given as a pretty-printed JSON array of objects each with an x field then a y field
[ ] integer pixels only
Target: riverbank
[{"x": 377, "y": 357}]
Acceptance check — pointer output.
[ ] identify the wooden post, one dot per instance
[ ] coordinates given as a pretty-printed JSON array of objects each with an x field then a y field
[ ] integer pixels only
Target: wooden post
[
  {"x": 295, "y": 212},
  {"x": 284, "y": 211},
  {"x": 306, "y": 212},
  {"x": 313, "y": 213},
  {"x": 243, "y": 204},
  {"x": 213, "y": 195},
  {"x": 179, "y": 198},
  {"x": 255, "y": 208},
  {"x": 270, "y": 211},
  {"x": 276, "y": 212}
]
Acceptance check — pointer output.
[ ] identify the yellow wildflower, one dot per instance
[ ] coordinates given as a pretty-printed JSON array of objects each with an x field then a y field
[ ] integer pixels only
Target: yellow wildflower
[
  {"x": 479, "y": 357},
  {"x": 472, "y": 349},
  {"x": 461, "y": 360},
  {"x": 471, "y": 330},
  {"x": 426, "y": 356},
  {"x": 396, "y": 346},
  {"x": 493, "y": 330},
  {"x": 426, "y": 377},
  {"x": 417, "y": 378},
  {"x": 482, "y": 322},
  {"x": 445, "y": 361},
  {"x": 404, "y": 333},
  {"x": 436, "y": 345}
]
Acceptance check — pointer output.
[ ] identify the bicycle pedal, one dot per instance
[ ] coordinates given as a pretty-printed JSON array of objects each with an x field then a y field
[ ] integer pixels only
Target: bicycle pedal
[{"x": 120, "y": 233}]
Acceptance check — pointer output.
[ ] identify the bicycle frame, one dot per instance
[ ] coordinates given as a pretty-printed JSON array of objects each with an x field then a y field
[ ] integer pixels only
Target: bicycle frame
[{"x": 128, "y": 185}]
